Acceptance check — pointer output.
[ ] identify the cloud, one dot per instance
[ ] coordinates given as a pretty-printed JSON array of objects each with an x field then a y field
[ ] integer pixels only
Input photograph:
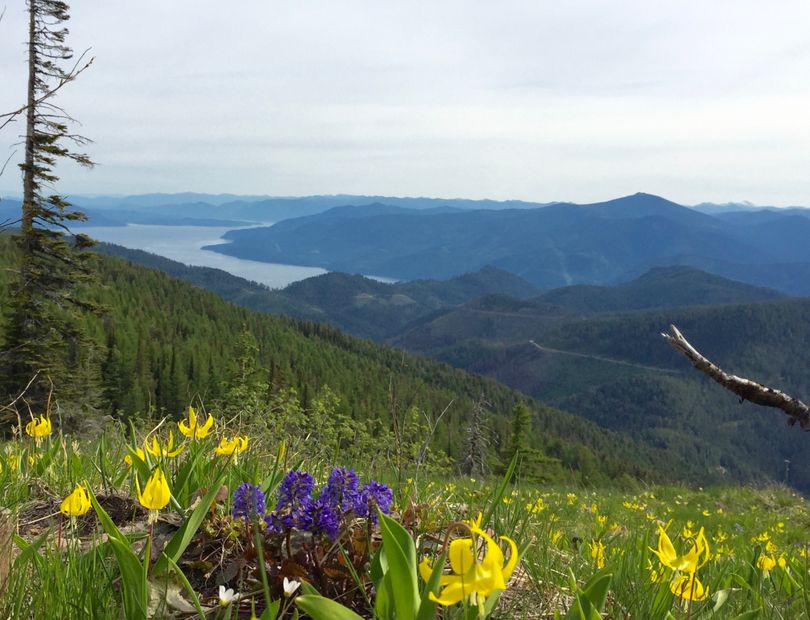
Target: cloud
[{"x": 544, "y": 100}]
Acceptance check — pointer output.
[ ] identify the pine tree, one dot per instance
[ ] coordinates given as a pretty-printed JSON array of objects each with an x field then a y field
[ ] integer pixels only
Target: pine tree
[{"x": 43, "y": 330}]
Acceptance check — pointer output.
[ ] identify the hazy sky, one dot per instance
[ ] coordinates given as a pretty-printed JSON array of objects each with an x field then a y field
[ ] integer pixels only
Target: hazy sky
[{"x": 532, "y": 99}]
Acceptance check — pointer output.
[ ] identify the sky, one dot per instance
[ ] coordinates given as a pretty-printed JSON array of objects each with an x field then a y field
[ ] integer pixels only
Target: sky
[{"x": 581, "y": 100}]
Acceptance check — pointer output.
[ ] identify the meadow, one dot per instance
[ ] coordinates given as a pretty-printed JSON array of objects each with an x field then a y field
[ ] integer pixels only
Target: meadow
[{"x": 212, "y": 518}]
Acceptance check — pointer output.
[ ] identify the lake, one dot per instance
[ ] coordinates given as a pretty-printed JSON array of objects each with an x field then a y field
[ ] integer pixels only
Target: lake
[{"x": 184, "y": 244}]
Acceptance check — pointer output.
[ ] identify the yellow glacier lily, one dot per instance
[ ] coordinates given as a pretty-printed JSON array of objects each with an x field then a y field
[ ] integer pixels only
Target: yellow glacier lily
[
  {"x": 155, "y": 495},
  {"x": 689, "y": 588},
  {"x": 692, "y": 560},
  {"x": 39, "y": 428},
  {"x": 166, "y": 451},
  {"x": 233, "y": 446},
  {"x": 472, "y": 579},
  {"x": 76, "y": 504},
  {"x": 139, "y": 452},
  {"x": 192, "y": 429}
]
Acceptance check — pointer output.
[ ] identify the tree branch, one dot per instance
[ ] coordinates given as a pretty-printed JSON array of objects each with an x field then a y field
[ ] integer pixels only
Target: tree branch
[{"x": 746, "y": 389}]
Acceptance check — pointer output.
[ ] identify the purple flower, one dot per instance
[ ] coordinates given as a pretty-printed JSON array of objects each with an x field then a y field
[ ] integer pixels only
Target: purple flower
[
  {"x": 295, "y": 489},
  {"x": 374, "y": 495},
  {"x": 322, "y": 520},
  {"x": 340, "y": 492},
  {"x": 248, "y": 501},
  {"x": 294, "y": 499}
]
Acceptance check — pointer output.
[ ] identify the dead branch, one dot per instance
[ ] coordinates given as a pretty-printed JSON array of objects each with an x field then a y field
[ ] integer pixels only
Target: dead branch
[{"x": 746, "y": 389}]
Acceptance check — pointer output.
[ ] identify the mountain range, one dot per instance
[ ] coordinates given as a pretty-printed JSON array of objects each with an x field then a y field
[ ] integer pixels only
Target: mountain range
[{"x": 549, "y": 246}]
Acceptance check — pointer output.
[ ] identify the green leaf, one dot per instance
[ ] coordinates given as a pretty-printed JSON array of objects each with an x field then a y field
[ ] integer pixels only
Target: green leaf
[
  {"x": 321, "y": 608},
  {"x": 498, "y": 493},
  {"x": 720, "y": 597},
  {"x": 135, "y": 588},
  {"x": 427, "y": 609},
  {"x": 401, "y": 555},
  {"x": 195, "y": 600},
  {"x": 596, "y": 590},
  {"x": 29, "y": 551},
  {"x": 182, "y": 537},
  {"x": 271, "y": 611}
]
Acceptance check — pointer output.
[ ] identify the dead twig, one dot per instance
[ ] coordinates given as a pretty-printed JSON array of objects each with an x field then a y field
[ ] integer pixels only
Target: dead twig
[{"x": 746, "y": 389}]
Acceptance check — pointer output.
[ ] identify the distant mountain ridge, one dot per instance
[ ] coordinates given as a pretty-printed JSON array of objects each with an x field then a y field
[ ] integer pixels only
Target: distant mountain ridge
[{"x": 557, "y": 245}]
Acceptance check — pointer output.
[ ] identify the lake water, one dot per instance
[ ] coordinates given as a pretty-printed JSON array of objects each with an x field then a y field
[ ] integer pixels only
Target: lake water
[{"x": 184, "y": 244}]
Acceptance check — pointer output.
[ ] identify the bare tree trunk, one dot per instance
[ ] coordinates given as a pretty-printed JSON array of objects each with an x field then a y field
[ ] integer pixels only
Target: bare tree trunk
[{"x": 746, "y": 389}]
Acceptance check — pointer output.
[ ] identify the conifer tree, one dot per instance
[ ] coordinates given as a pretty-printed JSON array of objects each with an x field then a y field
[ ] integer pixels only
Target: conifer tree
[{"x": 43, "y": 332}]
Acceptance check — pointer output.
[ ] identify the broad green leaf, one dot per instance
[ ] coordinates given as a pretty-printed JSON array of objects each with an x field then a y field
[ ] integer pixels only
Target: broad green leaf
[
  {"x": 401, "y": 555},
  {"x": 321, "y": 608},
  {"x": 29, "y": 550},
  {"x": 596, "y": 590},
  {"x": 427, "y": 608},
  {"x": 182, "y": 537}
]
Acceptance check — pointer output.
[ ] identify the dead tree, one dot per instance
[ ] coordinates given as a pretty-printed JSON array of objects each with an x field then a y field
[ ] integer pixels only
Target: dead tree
[{"x": 746, "y": 389}]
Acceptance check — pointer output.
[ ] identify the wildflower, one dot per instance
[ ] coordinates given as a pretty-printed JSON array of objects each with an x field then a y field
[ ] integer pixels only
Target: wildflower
[
  {"x": 226, "y": 597},
  {"x": 193, "y": 430},
  {"x": 689, "y": 588},
  {"x": 472, "y": 579},
  {"x": 39, "y": 428},
  {"x": 690, "y": 561},
  {"x": 601, "y": 519},
  {"x": 341, "y": 491},
  {"x": 374, "y": 494},
  {"x": 766, "y": 564},
  {"x": 598, "y": 553},
  {"x": 138, "y": 452},
  {"x": 320, "y": 519},
  {"x": 166, "y": 451},
  {"x": 248, "y": 501},
  {"x": 293, "y": 499},
  {"x": 233, "y": 446},
  {"x": 290, "y": 586},
  {"x": 155, "y": 495},
  {"x": 555, "y": 536},
  {"x": 781, "y": 562},
  {"x": 770, "y": 547},
  {"x": 76, "y": 504}
]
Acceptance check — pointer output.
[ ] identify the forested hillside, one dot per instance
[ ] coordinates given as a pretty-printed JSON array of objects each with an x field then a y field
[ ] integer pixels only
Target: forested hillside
[
  {"x": 163, "y": 343},
  {"x": 616, "y": 370}
]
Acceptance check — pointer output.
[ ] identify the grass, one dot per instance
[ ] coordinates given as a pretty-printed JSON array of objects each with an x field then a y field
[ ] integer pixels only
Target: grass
[{"x": 756, "y": 561}]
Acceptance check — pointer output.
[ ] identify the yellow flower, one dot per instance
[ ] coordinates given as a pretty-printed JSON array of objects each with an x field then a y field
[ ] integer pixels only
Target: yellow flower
[
  {"x": 39, "y": 428},
  {"x": 782, "y": 562},
  {"x": 690, "y": 561},
  {"x": 193, "y": 430},
  {"x": 233, "y": 446},
  {"x": 598, "y": 553},
  {"x": 472, "y": 579},
  {"x": 166, "y": 451},
  {"x": 555, "y": 536},
  {"x": 766, "y": 563},
  {"x": 689, "y": 588},
  {"x": 601, "y": 519},
  {"x": 770, "y": 547},
  {"x": 155, "y": 495},
  {"x": 138, "y": 452},
  {"x": 76, "y": 504}
]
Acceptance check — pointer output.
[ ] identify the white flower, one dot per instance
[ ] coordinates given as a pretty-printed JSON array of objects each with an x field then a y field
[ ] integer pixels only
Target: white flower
[
  {"x": 226, "y": 597},
  {"x": 290, "y": 586}
]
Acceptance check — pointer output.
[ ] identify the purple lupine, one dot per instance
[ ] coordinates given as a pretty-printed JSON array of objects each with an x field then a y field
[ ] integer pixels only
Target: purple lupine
[
  {"x": 248, "y": 501},
  {"x": 294, "y": 498},
  {"x": 322, "y": 519},
  {"x": 341, "y": 491},
  {"x": 374, "y": 495}
]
